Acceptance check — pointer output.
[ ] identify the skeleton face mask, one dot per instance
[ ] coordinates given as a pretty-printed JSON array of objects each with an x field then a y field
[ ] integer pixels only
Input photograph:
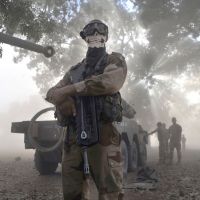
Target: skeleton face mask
[
  {"x": 96, "y": 40},
  {"x": 95, "y": 33}
]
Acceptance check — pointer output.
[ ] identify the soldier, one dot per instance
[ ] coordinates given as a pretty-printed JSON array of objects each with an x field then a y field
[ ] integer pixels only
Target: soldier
[
  {"x": 105, "y": 158},
  {"x": 166, "y": 139},
  {"x": 175, "y": 131},
  {"x": 160, "y": 136},
  {"x": 183, "y": 140}
]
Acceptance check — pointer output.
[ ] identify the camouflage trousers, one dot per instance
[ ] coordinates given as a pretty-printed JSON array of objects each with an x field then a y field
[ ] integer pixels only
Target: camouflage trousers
[
  {"x": 105, "y": 168},
  {"x": 177, "y": 146},
  {"x": 166, "y": 148},
  {"x": 161, "y": 152}
]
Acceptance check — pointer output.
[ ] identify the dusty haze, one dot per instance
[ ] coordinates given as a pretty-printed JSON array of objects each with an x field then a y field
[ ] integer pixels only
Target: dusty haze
[{"x": 161, "y": 44}]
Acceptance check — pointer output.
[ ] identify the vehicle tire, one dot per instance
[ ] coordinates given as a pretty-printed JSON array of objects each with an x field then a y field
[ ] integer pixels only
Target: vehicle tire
[
  {"x": 42, "y": 166},
  {"x": 133, "y": 160},
  {"x": 124, "y": 150},
  {"x": 34, "y": 142}
]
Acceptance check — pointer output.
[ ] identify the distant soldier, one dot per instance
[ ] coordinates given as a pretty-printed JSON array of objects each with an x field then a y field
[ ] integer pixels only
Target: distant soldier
[
  {"x": 160, "y": 135},
  {"x": 166, "y": 137},
  {"x": 175, "y": 131},
  {"x": 183, "y": 140}
]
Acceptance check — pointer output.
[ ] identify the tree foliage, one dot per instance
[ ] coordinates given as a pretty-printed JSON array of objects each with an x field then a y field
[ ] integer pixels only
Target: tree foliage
[{"x": 160, "y": 39}]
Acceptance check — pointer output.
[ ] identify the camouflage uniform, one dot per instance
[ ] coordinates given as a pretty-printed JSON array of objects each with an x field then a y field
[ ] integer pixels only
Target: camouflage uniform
[
  {"x": 128, "y": 111},
  {"x": 105, "y": 157},
  {"x": 161, "y": 141},
  {"x": 183, "y": 140},
  {"x": 105, "y": 163},
  {"x": 166, "y": 141},
  {"x": 175, "y": 131}
]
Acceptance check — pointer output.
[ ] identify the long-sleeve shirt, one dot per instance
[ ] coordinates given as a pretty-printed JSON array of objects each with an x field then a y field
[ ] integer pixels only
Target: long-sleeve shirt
[
  {"x": 127, "y": 110},
  {"x": 109, "y": 82},
  {"x": 159, "y": 134},
  {"x": 175, "y": 131}
]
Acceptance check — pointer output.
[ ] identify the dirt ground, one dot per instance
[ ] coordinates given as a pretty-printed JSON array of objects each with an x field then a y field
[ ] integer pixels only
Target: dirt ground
[{"x": 20, "y": 181}]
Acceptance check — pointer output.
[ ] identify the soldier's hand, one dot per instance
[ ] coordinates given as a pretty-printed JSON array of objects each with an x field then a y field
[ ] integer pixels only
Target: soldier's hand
[
  {"x": 67, "y": 108},
  {"x": 49, "y": 96},
  {"x": 57, "y": 96}
]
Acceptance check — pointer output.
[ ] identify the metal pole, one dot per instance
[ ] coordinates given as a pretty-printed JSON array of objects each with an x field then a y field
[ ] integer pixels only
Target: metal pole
[{"x": 47, "y": 51}]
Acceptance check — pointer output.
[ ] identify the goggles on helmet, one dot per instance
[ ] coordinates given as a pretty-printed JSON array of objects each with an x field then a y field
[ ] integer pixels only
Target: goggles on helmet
[{"x": 91, "y": 28}]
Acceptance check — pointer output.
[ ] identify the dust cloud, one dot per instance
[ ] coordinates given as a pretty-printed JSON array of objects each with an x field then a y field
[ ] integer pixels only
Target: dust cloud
[
  {"x": 12, "y": 144},
  {"x": 161, "y": 47}
]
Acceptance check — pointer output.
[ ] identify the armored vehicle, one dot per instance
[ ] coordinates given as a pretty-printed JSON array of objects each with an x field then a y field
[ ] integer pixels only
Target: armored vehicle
[
  {"x": 133, "y": 144},
  {"x": 46, "y": 138}
]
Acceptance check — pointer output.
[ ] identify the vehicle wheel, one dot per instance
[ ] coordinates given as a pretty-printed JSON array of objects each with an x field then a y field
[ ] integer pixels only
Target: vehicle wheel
[
  {"x": 124, "y": 150},
  {"x": 133, "y": 157},
  {"x": 33, "y": 141},
  {"x": 42, "y": 166}
]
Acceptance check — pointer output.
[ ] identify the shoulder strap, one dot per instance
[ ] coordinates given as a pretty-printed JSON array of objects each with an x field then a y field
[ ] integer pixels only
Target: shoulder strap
[{"x": 76, "y": 73}]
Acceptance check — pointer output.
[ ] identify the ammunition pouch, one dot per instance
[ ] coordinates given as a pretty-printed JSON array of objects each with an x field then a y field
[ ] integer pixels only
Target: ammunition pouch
[{"x": 111, "y": 108}]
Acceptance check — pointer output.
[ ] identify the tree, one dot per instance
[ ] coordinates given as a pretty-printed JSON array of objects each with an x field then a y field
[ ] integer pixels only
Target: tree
[{"x": 160, "y": 40}]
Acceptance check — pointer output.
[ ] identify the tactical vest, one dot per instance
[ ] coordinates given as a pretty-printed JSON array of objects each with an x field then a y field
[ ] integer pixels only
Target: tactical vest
[
  {"x": 109, "y": 106},
  {"x": 111, "y": 109}
]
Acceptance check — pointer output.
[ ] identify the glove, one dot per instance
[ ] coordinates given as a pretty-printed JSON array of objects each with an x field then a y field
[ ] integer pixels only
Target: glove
[{"x": 67, "y": 108}]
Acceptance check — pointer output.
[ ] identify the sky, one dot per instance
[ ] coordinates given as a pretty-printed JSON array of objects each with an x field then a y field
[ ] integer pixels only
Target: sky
[
  {"x": 20, "y": 100},
  {"x": 16, "y": 82}
]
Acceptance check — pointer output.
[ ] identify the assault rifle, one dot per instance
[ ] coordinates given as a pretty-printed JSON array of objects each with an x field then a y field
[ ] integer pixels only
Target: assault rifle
[
  {"x": 87, "y": 117},
  {"x": 87, "y": 124}
]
